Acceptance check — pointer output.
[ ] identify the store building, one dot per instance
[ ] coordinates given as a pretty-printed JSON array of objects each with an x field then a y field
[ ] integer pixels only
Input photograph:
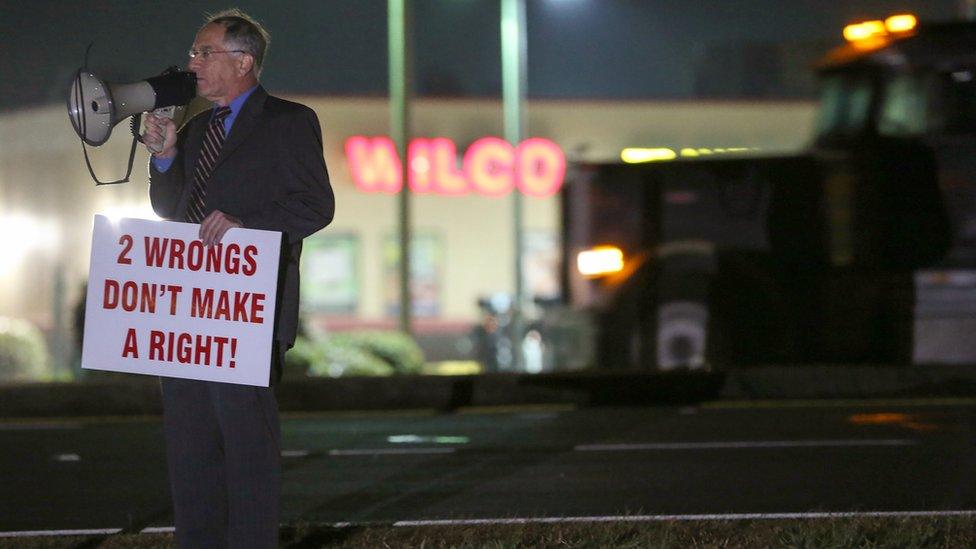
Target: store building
[{"x": 463, "y": 236}]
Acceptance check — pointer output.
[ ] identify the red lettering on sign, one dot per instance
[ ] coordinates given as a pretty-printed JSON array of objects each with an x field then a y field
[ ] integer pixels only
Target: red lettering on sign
[
  {"x": 233, "y": 259},
  {"x": 184, "y": 348},
  {"x": 156, "y": 340},
  {"x": 194, "y": 255},
  {"x": 130, "y": 349},
  {"x": 214, "y": 258},
  {"x": 174, "y": 292},
  {"x": 541, "y": 167},
  {"x": 250, "y": 263},
  {"x": 176, "y": 247},
  {"x": 433, "y": 167},
  {"x": 126, "y": 241},
  {"x": 374, "y": 164},
  {"x": 491, "y": 166},
  {"x": 110, "y": 299},
  {"x": 156, "y": 249},
  {"x": 177, "y": 254},
  {"x": 232, "y": 306},
  {"x": 131, "y": 295},
  {"x": 201, "y": 303}
]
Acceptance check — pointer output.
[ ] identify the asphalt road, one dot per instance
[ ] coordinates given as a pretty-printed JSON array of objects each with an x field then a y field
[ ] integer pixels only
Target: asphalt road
[{"x": 717, "y": 458}]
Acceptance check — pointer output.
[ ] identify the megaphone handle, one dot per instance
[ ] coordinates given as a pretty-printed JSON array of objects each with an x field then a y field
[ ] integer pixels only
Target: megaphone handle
[{"x": 167, "y": 112}]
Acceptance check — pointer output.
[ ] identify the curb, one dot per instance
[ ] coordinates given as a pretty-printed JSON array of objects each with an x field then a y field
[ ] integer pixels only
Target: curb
[{"x": 139, "y": 395}]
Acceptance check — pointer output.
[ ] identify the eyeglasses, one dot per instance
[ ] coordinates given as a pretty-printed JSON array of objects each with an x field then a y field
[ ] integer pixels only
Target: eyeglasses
[{"x": 206, "y": 53}]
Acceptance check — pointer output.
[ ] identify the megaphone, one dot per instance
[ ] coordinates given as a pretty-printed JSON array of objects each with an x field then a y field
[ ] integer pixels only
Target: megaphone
[{"x": 96, "y": 106}]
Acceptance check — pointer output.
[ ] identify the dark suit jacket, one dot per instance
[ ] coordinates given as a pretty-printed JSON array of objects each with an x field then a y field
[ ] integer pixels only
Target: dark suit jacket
[{"x": 270, "y": 174}]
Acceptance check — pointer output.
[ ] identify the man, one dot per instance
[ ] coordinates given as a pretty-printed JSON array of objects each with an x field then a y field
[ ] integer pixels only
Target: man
[{"x": 253, "y": 161}]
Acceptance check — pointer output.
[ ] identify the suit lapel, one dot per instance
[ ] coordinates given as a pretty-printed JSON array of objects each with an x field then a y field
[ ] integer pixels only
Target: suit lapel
[{"x": 244, "y": 124}]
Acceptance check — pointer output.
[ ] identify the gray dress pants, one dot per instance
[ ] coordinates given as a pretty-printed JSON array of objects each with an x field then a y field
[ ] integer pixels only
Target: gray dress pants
[{"x": 223, "y": 449}]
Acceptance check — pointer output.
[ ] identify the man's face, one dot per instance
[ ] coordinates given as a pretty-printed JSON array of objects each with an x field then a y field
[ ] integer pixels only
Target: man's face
[{"x": 219, "y": 75}]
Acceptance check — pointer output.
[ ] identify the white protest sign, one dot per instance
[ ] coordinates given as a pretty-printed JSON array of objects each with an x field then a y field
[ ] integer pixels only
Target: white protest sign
[{"x": 161, "y": 303}]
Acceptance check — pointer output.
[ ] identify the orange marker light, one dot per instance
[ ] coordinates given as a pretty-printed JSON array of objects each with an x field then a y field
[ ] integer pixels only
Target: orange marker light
[
  {"x": 600, "y": 261},
  {"x": 904, "y": 22},
  {"x": 865, "y": 30}
]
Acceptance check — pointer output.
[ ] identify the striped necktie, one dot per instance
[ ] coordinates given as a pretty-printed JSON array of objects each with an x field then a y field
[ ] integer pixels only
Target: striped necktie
[{"x": 213, "y": 140}]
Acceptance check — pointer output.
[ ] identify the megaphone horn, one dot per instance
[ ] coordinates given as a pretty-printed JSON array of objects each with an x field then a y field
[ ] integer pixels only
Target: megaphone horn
[{"x": 96, "y": 106}]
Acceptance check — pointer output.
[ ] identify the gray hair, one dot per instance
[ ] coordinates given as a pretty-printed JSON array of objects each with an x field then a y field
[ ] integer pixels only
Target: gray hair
[{"x": 243, "y": 32}]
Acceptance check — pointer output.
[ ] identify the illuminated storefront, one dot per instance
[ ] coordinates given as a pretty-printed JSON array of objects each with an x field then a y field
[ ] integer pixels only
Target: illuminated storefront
[{"x": 461, "y": 178}]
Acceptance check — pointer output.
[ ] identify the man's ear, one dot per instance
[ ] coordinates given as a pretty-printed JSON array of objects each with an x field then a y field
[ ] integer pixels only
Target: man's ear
[{"x": 246, "y": 64}]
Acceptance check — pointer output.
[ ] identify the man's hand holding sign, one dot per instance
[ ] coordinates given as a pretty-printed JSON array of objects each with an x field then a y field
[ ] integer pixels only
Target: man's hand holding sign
[{"x": 162, "y": 302}]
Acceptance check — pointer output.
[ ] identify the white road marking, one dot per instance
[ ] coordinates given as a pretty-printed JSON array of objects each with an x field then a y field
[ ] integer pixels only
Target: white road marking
[
  {"x": 35, "y": 533},
  {"x": 295, "y": 453},
  {"x": 390, "y": 451},
  {"x": 67, "y": 457},
  {"x": 708, "y": 517},
  {"x": 158, "y": 530},
  {"x": 740, "y": 444}
]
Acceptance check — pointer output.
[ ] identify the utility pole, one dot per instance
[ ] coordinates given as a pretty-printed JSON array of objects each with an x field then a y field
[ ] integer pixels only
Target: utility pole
[
  {"x": 513, "y": 96},
  {"x": 401, "y": 50}
]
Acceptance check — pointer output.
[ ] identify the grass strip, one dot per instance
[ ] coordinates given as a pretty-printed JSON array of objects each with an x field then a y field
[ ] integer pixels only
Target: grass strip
[{"x": 861, "y": 532}]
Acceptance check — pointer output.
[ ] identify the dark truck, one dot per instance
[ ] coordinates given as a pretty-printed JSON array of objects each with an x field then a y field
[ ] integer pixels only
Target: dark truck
[{"x": 860, "y": 250}]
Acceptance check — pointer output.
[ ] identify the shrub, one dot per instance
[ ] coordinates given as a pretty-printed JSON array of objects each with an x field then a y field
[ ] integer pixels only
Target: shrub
[
  {"x": 364, "y": 353},
  {"x": 23, "y": 352},
  {"x": 396, "y": 348}
]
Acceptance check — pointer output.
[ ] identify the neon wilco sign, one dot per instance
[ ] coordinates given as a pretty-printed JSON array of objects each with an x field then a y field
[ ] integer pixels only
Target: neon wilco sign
[{"x": 491, "y": 166}]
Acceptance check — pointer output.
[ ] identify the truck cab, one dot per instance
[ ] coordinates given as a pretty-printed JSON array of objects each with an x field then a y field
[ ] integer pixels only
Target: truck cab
[{"x": 862, "y": 249}]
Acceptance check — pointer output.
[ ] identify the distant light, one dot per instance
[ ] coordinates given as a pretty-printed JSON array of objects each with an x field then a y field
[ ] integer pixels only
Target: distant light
[
  {"x": 436, "y": 439},
  {"x": 879, "y": 418},
  {"x": 904, "y": 22},
  {"x": 636, "y": 155},
  {"x": 864, "y": 30},
  {"x": 872, "y": 31},
  {"x": 136, "y": 211},
  {"x": 453, "y": 368},
  {"x": 600, "y": 261},
  {"x": 20, "y": 234},
  {"x": 962, "y": 76}
]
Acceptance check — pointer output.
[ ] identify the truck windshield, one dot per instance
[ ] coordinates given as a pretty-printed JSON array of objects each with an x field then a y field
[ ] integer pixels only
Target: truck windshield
[
  {"x": 903, "y": 107},
  {"x": 845, "y": 102},
  {"x": 912, "y": 104},
  {"x": 929, "y": 103}
]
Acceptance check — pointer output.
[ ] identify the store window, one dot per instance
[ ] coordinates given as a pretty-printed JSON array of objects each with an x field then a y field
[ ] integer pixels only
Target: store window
[
  {"x": 330, "y": 274},
  {"x": 540, "y": 264},
  {"x": 426, "y": 273}
]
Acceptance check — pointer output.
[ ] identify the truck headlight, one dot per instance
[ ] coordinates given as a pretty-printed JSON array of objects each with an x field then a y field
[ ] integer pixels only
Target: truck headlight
[{"x": 600, "y": 261}]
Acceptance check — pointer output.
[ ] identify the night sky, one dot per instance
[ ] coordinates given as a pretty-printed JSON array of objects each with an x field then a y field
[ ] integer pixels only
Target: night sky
[{"x": 612, "y": 49}]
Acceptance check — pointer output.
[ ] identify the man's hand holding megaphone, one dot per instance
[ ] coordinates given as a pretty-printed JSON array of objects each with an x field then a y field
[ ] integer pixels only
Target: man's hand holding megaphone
[
  {"x": 160, "y": 139},
  {"x": 160, "y": 136}
]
